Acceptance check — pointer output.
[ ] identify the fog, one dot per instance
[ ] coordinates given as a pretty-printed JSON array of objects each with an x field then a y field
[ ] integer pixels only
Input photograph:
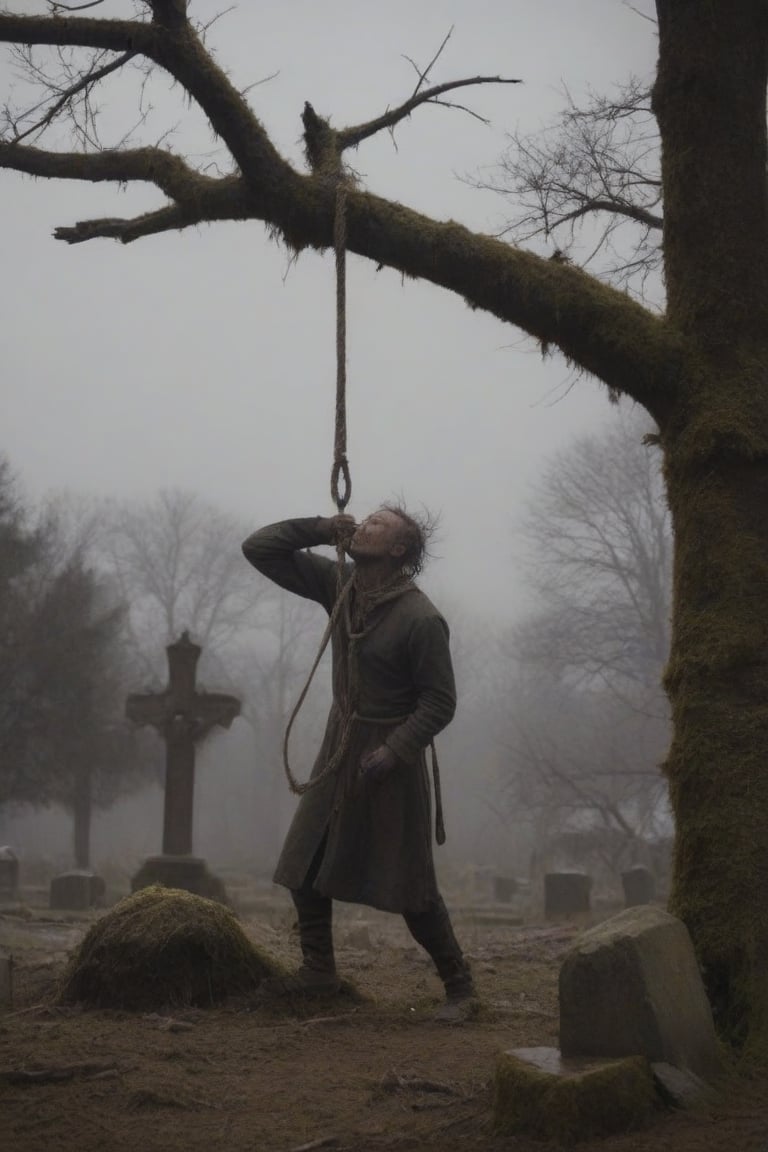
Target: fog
[{"x": 204, "y": 361}]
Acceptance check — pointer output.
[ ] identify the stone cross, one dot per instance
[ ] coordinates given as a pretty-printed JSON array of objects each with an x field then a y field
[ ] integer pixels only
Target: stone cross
[{"x": 182, "y": 716}]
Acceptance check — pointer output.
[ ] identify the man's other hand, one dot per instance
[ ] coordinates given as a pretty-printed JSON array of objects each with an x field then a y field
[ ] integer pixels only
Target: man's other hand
[{"x": 378, "y": 764}]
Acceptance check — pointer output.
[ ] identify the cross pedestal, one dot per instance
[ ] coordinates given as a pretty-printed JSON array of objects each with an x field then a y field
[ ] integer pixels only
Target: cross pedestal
[{"x": 183, "y": 716}]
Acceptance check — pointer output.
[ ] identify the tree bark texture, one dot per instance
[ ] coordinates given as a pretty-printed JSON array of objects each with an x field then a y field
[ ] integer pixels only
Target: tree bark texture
[{"x": 710, "y": 102}]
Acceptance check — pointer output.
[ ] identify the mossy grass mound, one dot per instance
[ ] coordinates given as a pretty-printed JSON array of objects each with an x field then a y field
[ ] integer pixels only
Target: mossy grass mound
[
  {"x": 539, "y": 1094},
  {"x": 164, "y": 948}
]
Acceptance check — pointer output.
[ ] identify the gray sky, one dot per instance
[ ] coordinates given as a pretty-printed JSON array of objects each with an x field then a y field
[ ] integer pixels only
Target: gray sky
[{"x": 192, "y": 360}]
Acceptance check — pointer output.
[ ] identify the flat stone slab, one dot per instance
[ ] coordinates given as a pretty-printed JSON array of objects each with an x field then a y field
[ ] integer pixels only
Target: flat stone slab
[
  {"x": 540, "y": 1093},
  {"x": 632, "y": 986},
  {"x": 77, "y": 890}
]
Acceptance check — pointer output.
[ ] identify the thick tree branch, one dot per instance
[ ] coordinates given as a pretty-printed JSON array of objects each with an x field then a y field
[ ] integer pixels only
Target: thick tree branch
[
  {"x": 79, "y": 32},
  {"x": 153, "y": 165},
  {"x": 171, "y": 42},
  {"x": 596, "y": 327},
  {"x": 226, "y": 200}
]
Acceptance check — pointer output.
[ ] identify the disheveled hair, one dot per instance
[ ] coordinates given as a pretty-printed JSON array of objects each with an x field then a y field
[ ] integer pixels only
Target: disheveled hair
[{"x": 418, "y": 530}]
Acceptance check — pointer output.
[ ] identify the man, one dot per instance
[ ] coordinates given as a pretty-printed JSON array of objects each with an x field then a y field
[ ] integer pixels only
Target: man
[{"x": 362, "y": 831}]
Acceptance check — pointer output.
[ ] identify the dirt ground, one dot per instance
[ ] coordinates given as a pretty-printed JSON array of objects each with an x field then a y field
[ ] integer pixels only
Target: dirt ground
[{"x": 341, "y": 1074}]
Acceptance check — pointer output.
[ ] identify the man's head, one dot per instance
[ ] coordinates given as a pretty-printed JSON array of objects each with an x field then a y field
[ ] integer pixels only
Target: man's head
[{"x": 391, "y": 535}]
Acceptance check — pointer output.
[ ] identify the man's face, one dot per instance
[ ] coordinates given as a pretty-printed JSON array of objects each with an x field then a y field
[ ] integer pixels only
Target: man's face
[{"x": 379, "y": 536}]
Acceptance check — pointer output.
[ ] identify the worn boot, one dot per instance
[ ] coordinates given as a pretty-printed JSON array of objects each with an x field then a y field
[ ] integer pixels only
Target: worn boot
[
  {"x": 318, "y": 968},
  {"x": 316, "y": 976},
  {"x": 432, "y": 929}
]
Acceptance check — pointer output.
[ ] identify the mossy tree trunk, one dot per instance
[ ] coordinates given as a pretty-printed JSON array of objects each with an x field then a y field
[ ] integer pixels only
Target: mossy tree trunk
[
  {"x": 701, "y": 372},
  {"x": 709, "y": 99}
]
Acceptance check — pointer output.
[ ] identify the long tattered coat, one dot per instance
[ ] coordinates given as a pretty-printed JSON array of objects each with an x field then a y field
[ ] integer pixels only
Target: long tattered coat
[{"x": 379, "y": 846}]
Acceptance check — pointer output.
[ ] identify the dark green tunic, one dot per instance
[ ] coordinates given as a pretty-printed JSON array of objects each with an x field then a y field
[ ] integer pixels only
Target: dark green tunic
[{"x": 379, "y": 847}]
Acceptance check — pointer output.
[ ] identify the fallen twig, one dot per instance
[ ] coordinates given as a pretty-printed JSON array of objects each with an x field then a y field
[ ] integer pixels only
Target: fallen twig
[
  {"x": 323, "y": 1142},
  {"x": 395, "y": 1082},
  {"x": 342, "y": 1019},
  {"x": 56, "y": 1075}
]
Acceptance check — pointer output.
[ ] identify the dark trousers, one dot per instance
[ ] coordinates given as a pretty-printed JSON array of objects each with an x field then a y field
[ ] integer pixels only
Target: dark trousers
[{"x": 431, "y": 928}]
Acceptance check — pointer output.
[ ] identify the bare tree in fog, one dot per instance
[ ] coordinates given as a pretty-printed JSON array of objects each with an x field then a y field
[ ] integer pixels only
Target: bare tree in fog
[
  {"x": 587, "y": 726},
  {"x": 62, "y": 670},
  {"x": 590, "y": 184},
  {"x": 178, "y": 564},
  {"x": 600, "y": 536}
]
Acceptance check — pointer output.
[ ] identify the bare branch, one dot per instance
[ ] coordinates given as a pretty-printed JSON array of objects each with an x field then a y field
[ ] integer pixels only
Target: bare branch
[
  {"x": 55, "y": 6},
  {"x": 425, "y": 73},
  {"x": 85, "y": 83},
  {"x": 599, "y": 163},
  {"x": 351, "y": 137}
]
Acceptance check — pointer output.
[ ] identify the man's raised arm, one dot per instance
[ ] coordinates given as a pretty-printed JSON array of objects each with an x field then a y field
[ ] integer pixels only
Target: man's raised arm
[{"x": 277, "y": 551}]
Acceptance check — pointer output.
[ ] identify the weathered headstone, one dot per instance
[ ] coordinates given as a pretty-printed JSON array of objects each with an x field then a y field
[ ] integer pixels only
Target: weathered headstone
[
  {"x": 81, "y": 888},
  {"x": 183, "y": 717},
  {"x": 504, "y": 889},
  {"x": 9, "y": 873},
  {"x": 566, "y": 894},
  {"x": 639, "y": 886},
  {"x": 6, "y": 980},
  {"x": 77, "y": 890},
  {"x": 631, "y": 986}
]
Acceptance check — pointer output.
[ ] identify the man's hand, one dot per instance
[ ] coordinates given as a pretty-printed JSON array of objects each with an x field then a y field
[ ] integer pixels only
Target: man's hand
[
  {"x": 335, "y": 528},
  {"x": 378, "y": 764}
]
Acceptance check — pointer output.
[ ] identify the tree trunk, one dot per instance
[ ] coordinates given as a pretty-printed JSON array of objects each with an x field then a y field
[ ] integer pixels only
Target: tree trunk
[
  {"x": 709, "y": 98},
  {"x": 717, "y": 680},
  {"x": 81, "y": 814}
]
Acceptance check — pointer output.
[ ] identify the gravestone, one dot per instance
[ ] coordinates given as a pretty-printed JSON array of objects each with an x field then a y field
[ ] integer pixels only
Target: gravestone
[
  {"x": 504, "y": 889},
  {"x": 635, "y": 1028},
  {"x": 183, "y": 716},
  {"x": 9, "y": 874},
  {"x": 566, "y": 894},
  {"x": 81, "y": 888},
  {"x": 632, "y": 986},
  {"x": 77, "y": 891},
  {"x": 6, "y": 980},
  {"x": 639, "y": 886}
]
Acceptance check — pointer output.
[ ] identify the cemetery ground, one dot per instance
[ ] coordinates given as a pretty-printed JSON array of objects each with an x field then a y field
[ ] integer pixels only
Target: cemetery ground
[{"x": 374, "y": 1073}]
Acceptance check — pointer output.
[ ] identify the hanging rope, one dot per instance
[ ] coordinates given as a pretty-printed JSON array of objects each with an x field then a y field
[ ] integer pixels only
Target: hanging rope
[{"x": 340, "y": 470}]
